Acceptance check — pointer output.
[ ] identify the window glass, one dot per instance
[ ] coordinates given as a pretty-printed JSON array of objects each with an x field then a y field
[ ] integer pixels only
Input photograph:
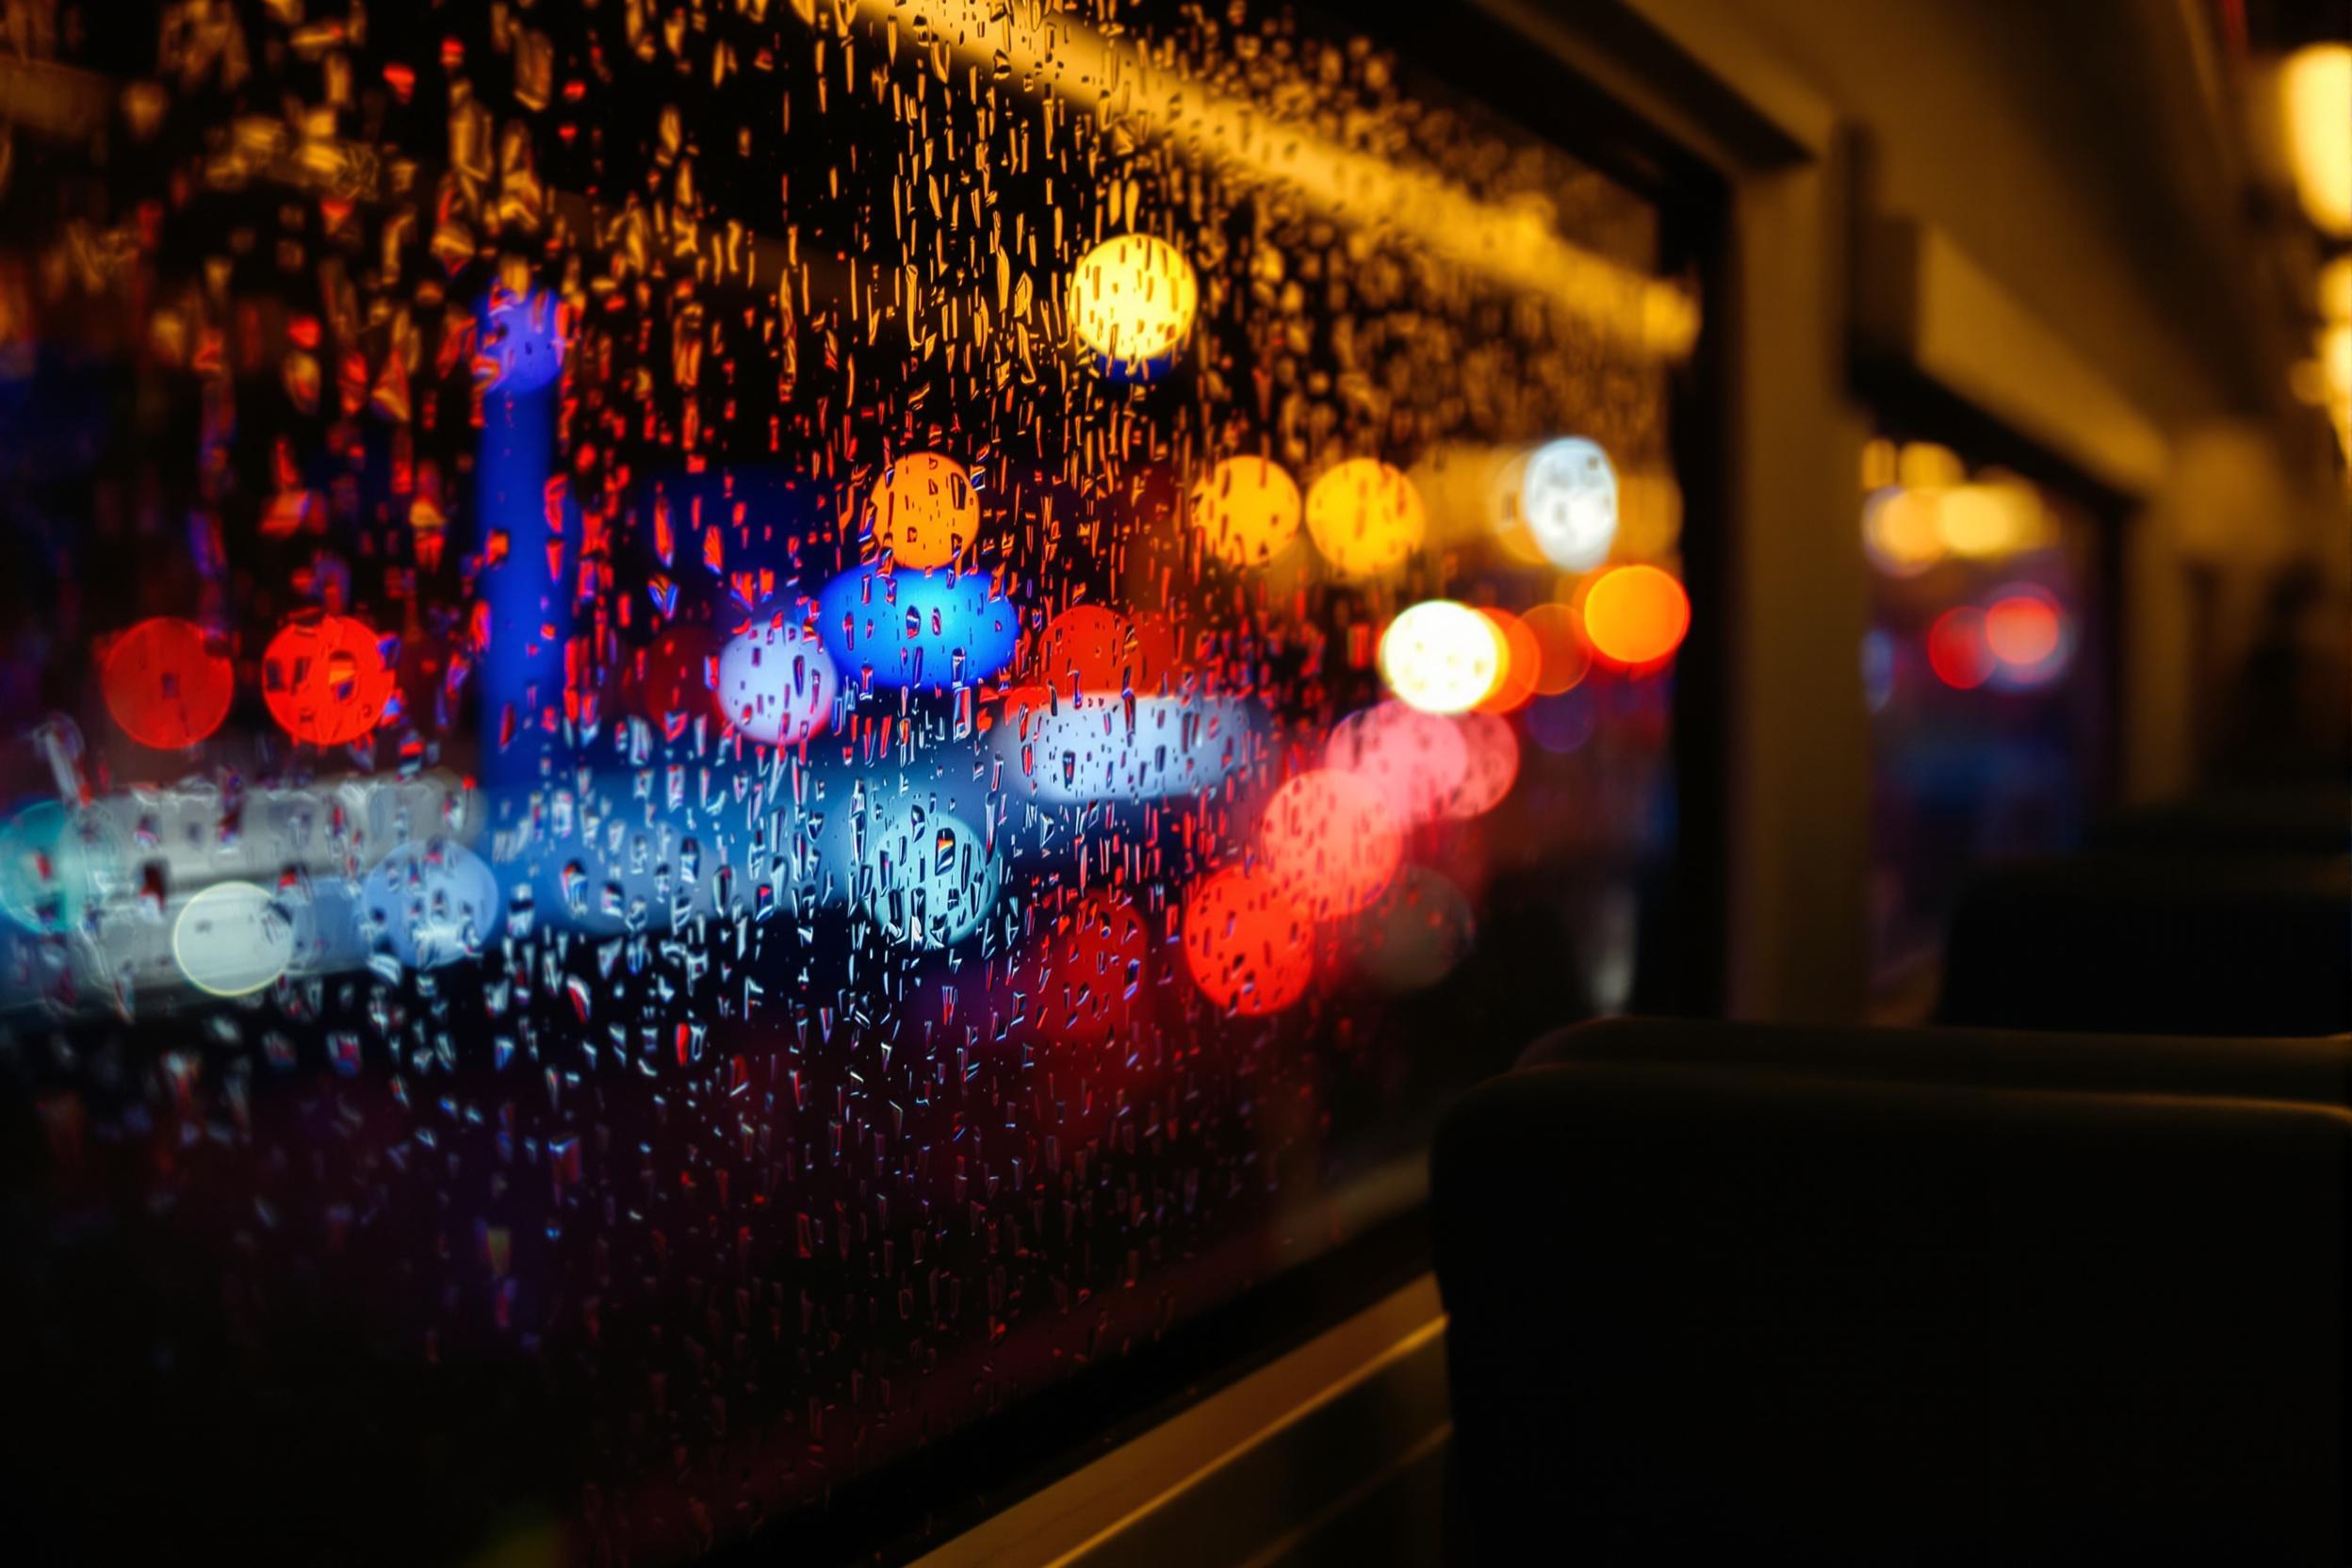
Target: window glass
[
  {"x": 1985, "y": 681},
  {"x": 734, "y": 729}
]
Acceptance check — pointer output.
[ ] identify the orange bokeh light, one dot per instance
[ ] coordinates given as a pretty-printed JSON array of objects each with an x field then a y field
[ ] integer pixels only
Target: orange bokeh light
[
  {"x": 1522, "y": 665},
  {"x": 926, "y": 512},
  {"x": 1636, "y": 615},
  {"x": 1247, "y": 510},
  {"x": 325, "y": 679},
  {"x": 1565, "y": 657},
  {"x": 167, "y": 683},
  {"x": 1249, "y": 946},
  {"x": 1330, "y": 841}
]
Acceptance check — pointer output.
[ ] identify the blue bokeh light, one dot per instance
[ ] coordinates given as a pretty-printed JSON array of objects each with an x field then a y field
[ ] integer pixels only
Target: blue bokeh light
[{"x": 931, "y": 631}]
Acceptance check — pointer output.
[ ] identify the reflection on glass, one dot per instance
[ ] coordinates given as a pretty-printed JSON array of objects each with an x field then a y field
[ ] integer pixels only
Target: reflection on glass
[{"x": 1987, "y": 711}]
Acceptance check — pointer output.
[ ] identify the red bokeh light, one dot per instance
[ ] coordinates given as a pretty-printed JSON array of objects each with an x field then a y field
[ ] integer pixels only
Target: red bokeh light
[
  {"x": 167, "y": 683},
  {"x": 1078, "y": 973},
  {"x": 1331, "y": 843},
  {"x": 1090, "y": 651},
  {"x": 2022, "y": 629},
  {"x": 1415, "y": 761},
  {"x": 325, "y": 679},
  {"x": 1249, "y": 946},
  {"x": 667, "y": 683},
  {"x": 1957, "y": 651},
  {"x": 1490, "y": 765},
  {"x": 1523, "y": 663}
]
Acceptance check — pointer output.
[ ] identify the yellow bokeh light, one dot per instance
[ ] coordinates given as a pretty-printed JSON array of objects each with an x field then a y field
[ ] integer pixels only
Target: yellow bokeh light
[
  {"x": 2335, "y": 361},
  {"x": 1878, "y": 463},
  {"x": 1901, "y": 532},
  {"x": 1925, "y": 465},
  {"x": 925, "y": 511},
  {"x": 2315, "y": 90},
  {"x": 1505, "y": 483},
  {"x": 2335, "y": 289},
  {"x": 1649, "y": 522},
  {"x": 1366, "y": 516},
  {"x": 1986, "y": 521},
  {"x": 1441, "y": 657},
  {"x": 1247, "y": 510},
  {"x": 1132, "y": 299}
]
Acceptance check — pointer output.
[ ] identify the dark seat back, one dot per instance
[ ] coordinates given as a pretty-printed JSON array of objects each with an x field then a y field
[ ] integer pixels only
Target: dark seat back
[
  {"x": 1723, "y": 1317},
  {"x": 2278, "y": 820},
  {"x": 2194, "y": 944},
  {"x": 2317, "y": 1070}
]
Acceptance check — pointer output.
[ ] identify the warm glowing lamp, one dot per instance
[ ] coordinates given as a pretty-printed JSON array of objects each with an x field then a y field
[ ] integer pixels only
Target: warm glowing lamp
[
  {"x": 1132, "y": 301},
  {"x": 1247, "y": 510},
  {"x": 926, "y": 512},
  {"x": 2315, "y": 89},
  {"x": 1366, "y": 516},
  {"x": 1441, "y": 657},
  {"x": 167, "y": 683},
  {"x": 1635, "y": 615}
]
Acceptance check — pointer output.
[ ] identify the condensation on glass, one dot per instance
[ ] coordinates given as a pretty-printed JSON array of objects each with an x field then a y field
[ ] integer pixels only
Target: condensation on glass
[{"x": 736, "y": 727}]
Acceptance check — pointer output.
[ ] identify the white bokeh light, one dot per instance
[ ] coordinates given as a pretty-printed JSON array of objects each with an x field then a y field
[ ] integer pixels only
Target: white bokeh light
[
  {"x": 232, "y": 939},
  {"x": 1441, "y": 657},
  {"x": 1568, "y": 500},
  {"x": 776, "y": 683}
]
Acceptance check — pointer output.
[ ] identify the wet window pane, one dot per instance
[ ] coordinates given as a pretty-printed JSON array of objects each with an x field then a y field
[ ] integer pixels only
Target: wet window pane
[{"x": 736, "y": 729}]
